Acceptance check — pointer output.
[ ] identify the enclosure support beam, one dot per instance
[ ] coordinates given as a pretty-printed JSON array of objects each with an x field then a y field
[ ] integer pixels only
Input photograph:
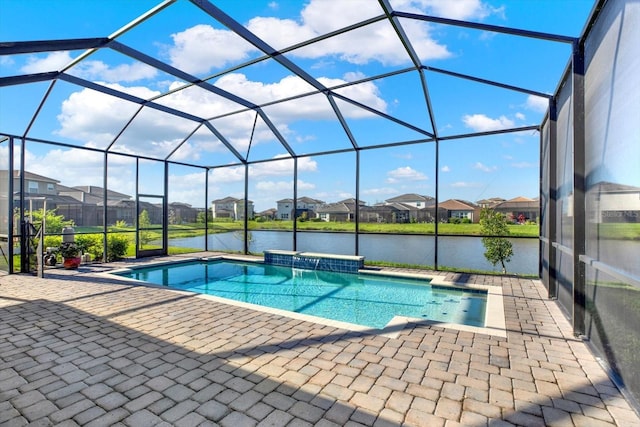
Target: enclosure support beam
[
  {"x": 11, "y": 221},
  {"x": 165, "y": 209},
  {"x": 24, "y": 240},
  {"x": 552, "y": 218},
  {"x": 105, "y": 183},
  {"x": 246, "y": 209},
  {"x": 357, "y": 206},
  {"x": 579, "y": 186},
  {"x": 206, "y": 210},
  {"x": 295, "y": 203}
]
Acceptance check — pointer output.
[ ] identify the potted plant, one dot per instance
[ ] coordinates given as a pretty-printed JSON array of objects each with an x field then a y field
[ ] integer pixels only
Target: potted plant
[{"x": 70, "y": 255}]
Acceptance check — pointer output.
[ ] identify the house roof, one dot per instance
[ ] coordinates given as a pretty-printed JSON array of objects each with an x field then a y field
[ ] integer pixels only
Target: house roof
[
  {"x": 230, "y": 199},
  {"x": 309, "y": 200},
  {"x": 611, "y": 187},
  {"x": 519, "y": 203},
  {"x": 457, "y": 205},
  {"x": 30, "y": 175},
  {"x": 334, "y": 208},
  {"x": 303, "y": 199},
  {"x": 99, "y": 191},
  {"x": 491, "y": 201},
  {"x": 410, "y": 197}
]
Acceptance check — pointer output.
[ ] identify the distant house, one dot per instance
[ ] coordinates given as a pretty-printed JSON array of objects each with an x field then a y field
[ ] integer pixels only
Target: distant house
[
  {"x": 519, "y": 209},
  {"x": 343, "y": 211},
  {"x": 180, "y": 213},
  {"x": 408, "y": 207},
  {"x": 90, "y": 209},
  {"x": 613, "y": 202},
  {"x": 489, "y": 203},
  {"x": 268, "y": 214},
  {"x": 387, "y": 212},
  {"x": 230, "y": 207},
  {"x": 460, "y": 209},
  {"x": 40, "y": 191},
  {"x": 412, "y": 199},
  {"x": 304, "y": 206}
]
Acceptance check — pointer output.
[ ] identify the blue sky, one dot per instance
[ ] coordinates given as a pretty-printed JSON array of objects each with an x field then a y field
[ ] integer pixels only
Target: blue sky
[{"x": 180, "y": 34}]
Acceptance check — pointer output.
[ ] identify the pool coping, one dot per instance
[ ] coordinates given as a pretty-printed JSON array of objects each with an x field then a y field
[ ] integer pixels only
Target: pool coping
[{"x": 495, "y": 323}]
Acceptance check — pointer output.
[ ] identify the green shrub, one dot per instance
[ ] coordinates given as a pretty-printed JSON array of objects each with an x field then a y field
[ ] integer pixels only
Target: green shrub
[
  {"x": 91, "y": 244},
  {"x": 52, "y": 241},
  {"x": 117, "y": 246}
]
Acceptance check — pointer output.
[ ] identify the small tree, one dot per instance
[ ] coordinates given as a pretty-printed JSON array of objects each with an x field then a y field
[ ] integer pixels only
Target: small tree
[
  {"x": 54, "y": 223},
  {"x": 144, "y": 222},
  {"x": 497, "y": 249}
]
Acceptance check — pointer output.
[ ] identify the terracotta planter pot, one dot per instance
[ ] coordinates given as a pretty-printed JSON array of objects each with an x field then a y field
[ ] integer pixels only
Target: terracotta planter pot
[{"x": 71, "y": 263}]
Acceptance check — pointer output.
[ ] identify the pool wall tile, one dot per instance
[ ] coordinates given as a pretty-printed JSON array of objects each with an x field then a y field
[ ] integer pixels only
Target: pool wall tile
[{"x": 315, "y": 261}]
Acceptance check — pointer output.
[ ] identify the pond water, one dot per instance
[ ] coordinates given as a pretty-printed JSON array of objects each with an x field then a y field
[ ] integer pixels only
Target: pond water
[{"x": 453, "y": 251}]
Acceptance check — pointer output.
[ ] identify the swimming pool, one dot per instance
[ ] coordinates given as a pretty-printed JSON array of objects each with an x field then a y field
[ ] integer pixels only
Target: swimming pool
[{"x": 362, "y": 299}]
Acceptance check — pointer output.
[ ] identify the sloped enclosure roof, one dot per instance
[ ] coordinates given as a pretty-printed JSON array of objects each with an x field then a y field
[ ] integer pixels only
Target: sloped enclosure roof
[{"x": 215, "y": 83}]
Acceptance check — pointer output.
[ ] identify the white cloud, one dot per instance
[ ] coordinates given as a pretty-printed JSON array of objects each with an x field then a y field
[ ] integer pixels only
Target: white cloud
[
  {"x": 484, "y": 168},
  {"x": 464, "y": 184},
  {"x": 458, "y": 9},
  {"x": 376, "y": 42},
  {"x": 405, "y": 174},
  {"x": 98, "y": 70},
  {"x": 95, "y": 118},
  {"x": 382, "y": 191},
  {"x": 88, "y": 69},
  {"x": 520, "y": 116},
  {"x": 536, "y": 103},
  {"x": 53, "y": 61},
  {"x": 282, "y": 167},
  {"x": 483, "y": 123},
  {"x": 201, "y": 48},
  {"x": 83, "y": 167},
  {"x": 283, "y": 186},
  {"x": 445, "y": 168},
  {"x": 7, "y": 61},
  {"x": 227, "y": 174}
]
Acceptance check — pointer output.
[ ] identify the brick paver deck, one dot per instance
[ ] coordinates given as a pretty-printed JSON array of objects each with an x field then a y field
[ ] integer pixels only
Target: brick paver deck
[{"x": 77, "y": 349}]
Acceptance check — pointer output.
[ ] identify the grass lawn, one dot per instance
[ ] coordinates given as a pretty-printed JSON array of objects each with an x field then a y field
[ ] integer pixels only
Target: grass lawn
[
  {"x": 190, "y": 230},
  {"x": 605, "y": 231}
]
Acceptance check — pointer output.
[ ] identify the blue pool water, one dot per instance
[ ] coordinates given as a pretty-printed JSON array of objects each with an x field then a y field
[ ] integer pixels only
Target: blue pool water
[{"x": 368, "y": 300}]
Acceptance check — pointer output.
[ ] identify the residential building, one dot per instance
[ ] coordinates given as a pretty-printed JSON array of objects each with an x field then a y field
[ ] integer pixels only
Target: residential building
[
  {"x": 181, "y": 213},
  {"x": 519, "y": 209},
  {"x": 614, "y": 203},
  {"x": 344, "y": 210},
  {"x": 230, "y": 207},
  {"x": 405, "y": 208},
  {"x": 268, "y": 214},
  {"x": 304, "y": 206},
  {"x": 460, "y": 209},
  {"x": 489, "y": 203}
]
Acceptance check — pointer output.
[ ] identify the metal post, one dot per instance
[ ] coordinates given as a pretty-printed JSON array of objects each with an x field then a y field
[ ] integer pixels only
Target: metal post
[
  {"x": 11, "y": 221},
  {"x": 295, "y": 203},
  {"x": 24, "y": 239},
  {"x": 105, "y": 241},
  {"x": 39, "y": 251},
  {"x": 206, "y": 210},
  {"x": 357, "y": 207},
  {"x": 246, "y": 208},
  {"x": 165, "y": 208},
  {"x": 553, "y": 197},
  {"x": 579, "y": 187}
]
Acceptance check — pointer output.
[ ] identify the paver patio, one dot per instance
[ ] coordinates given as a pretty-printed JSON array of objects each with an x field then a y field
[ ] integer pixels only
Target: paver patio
[{"x": 79, "y": 349}]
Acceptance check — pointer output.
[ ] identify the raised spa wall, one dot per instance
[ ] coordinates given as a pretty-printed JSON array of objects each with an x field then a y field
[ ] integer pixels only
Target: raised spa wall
[{"x": 314, "y": 261}]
